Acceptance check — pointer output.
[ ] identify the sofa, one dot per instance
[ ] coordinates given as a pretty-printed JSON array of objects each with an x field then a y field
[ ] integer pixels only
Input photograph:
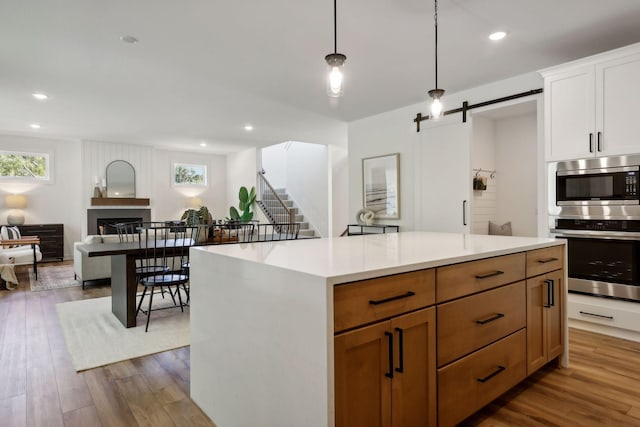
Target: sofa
[
  {"x": 94, "y": 268},
  {"x": 88, "y": 268}
]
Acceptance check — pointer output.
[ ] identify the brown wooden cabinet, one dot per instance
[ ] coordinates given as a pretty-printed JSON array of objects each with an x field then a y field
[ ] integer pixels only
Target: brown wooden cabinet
[
  {"x": 51, "y": 239},
  {"x": 385, "y": 373},
  {"x": 545, "y": 313}
]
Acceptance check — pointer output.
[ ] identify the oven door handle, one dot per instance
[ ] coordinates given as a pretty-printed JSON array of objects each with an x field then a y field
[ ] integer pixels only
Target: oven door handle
[{"x": 578, "y": 234}]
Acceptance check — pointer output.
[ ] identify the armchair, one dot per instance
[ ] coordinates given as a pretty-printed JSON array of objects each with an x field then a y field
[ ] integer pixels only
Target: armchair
[{"x": 22, "y": 251}]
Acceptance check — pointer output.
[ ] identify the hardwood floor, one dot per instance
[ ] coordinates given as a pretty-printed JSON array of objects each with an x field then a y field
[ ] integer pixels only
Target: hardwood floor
[{"x": 38, "y": 386}]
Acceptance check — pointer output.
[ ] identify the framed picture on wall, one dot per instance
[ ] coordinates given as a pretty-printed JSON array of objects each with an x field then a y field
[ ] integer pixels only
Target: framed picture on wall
[
  {"x": 381, "y": 185},
  {"x": 189, "y": 174}
]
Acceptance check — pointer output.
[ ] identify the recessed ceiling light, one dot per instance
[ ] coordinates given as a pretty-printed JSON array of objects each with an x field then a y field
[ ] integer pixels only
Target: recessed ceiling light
[
  {"x": 34, "y": 126},
  {"x": 40, "y": 96},
  {"x": 498, "y": 35},
  {"x": 203, "y": 144},
  {"x": 248, "y": 128},
  {"x": 129, "y": 39}
]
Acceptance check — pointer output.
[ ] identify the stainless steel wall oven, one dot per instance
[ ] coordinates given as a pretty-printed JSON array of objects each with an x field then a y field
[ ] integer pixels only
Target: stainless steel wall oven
[{"x": 598, "y": 212}]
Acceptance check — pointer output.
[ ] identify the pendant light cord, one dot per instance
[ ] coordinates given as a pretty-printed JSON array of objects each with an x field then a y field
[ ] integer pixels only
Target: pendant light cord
[
  {"x": 335, "y": 27},
  {"x": 435, "y": 18}
]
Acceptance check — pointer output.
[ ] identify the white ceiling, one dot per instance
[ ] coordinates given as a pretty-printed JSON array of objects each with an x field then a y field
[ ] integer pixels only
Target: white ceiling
[{"x": 205, "y": 68}]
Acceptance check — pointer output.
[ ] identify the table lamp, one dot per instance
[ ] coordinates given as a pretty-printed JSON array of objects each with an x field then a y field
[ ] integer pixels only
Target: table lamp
[{"x": 17, "y": 202}]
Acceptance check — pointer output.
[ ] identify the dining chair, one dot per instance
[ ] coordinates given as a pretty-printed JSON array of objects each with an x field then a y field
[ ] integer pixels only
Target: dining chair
[{"x": 165, "y": 250}]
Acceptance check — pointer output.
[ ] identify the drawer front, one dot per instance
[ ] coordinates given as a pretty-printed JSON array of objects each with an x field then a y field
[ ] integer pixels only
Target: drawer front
[
  {"x": 470, "y": 323},
  {"x": 454, "y": 281},
  {"x": 42, "y": 230},
  {"x": 366, "y": 301},
  {"x": 470, "y": 383},
  {"x": 617, "y": 314},
  {"x": 544, "y": 260}
]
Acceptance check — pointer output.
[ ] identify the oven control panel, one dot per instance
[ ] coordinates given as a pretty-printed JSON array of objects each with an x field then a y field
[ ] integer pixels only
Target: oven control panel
[
  {"x": 631, "y": 184},
  {"x": 598, "y": 224}
]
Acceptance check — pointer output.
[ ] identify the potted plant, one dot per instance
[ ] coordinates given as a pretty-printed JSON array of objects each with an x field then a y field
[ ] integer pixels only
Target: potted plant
[
  {"x": 247, "y": 199},
  {"x": 198, "y": 217}
]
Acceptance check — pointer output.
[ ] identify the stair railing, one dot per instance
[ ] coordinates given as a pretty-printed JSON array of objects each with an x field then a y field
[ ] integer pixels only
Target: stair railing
[{"x": 271, "y": 203}]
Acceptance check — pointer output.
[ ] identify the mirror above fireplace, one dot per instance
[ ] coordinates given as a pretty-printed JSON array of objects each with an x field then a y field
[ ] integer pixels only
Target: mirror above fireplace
[{"x": 121, "y": 179}]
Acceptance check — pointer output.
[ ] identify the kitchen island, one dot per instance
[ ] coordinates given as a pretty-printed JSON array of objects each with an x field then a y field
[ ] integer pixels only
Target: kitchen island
[{"x": 294, "y": 333}]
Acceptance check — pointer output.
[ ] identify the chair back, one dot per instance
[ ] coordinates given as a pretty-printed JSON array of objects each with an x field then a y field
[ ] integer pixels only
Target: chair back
[{"x": 166, "y": 245}]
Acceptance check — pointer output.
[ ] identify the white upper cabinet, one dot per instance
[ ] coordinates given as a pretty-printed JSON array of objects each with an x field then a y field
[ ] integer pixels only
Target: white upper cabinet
[{"x": 589, "y": 106}]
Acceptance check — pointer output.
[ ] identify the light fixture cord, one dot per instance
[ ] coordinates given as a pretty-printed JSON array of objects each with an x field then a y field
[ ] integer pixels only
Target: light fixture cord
[
  {"x": 435, "y": 18},
  {"x": 335, "y": 27}
]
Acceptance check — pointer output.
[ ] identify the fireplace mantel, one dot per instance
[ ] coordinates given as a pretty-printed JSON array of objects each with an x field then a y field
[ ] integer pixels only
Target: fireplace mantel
[{"x": 118, "y": 201}]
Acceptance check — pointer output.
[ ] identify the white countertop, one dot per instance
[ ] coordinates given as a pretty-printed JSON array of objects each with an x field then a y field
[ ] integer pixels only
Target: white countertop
[{"x": 344, "y": 259}]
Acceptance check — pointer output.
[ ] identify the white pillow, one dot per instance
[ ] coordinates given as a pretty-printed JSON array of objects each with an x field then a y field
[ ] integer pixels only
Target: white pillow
[
  {"x": 10, "y": 233},
  {"x": 90, "y": 240}
]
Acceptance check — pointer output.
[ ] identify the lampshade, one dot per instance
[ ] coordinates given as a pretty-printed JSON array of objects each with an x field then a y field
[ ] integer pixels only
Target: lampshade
[
  {"x": 194, "y": 202},
  {"x": 15, "y": 201}
]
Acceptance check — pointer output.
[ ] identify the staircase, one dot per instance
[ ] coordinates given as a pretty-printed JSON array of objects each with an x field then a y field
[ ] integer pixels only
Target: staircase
[{"x": 270, "y": 206}]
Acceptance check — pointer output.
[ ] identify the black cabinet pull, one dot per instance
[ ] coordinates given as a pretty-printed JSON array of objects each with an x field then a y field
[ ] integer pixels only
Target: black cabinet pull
[
  {"x": 553, "y": 293},
  {"x": 490, "y": 319},
  {"x": 491, "y": 375},
  {"x": 400, "y": 367},
  {"x": 586, "y": 313},
  {"x": 591, "y": 142},
  {"x": 464, "y": 212},
  {"x": 598, "y": 143},
  {"x": 382, "y": 301},
  {"x": 548, "y": 303},
  {"x": 546, "y": 260},
  {"x": 390, "y": 337},
  {"x": 487, "y": 275}
]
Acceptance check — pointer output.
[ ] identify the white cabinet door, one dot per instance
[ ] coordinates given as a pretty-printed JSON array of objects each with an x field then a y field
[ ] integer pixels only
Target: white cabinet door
[
  {"x": 570, "y": 114},
  {"x": 443, "y": 176},
  {"x": 617, "y": 95}
]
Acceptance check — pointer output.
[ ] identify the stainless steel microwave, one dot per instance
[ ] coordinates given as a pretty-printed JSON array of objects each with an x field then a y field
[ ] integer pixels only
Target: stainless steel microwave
[{"x": 598, "y": 181}]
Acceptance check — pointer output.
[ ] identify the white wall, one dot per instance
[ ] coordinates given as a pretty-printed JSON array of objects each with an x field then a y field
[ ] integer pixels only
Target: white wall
[
  {"x": 242, "y": 169},
  {"x": 395, "y": 132},
  {"x": 169, "y": 202},
  {"x": 56, "y": 202},
  {"x": 308, "y": 182},
  {"x": 274, "y": 162},
  {"x": 339, "y": 180},
  {"x": 483, "y": 156},
  {"x": 516, "y": 153}
]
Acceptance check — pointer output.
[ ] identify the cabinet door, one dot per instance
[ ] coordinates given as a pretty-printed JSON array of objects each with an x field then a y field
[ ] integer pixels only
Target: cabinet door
[
  {"x": 443, "y": 176},
  {"x": 554, "y": 315},
  {"x": 362, "y": 390},
  {"x": 413, "y": 395},
  {"x": 545, "y": 339},
  {"x": 617, "y": 94},
  {"x": 570, "y": 114}
]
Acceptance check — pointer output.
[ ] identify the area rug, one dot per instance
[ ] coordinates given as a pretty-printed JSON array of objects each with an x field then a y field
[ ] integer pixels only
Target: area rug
[
  {"x": 95, "y": 337},
  {"x": 53, "y": 277}
]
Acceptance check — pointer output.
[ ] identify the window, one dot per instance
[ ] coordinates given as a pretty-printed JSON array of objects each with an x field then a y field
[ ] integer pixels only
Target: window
[
  {"x": 24, "y": 166},
  {"x": 186, "y": 174}
]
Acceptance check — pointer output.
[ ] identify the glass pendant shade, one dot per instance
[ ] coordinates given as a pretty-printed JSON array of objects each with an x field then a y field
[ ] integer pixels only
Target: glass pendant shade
[
  {"x": 436, "y": 104},
  {"x": 335, "y": 79}
]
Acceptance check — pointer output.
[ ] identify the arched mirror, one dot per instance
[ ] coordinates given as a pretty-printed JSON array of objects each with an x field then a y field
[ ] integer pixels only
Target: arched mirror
[{"x": 121, "y": 179}]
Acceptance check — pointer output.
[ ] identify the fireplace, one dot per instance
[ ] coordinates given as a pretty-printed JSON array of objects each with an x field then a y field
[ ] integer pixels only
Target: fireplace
[{"x": 107, "y": 217}]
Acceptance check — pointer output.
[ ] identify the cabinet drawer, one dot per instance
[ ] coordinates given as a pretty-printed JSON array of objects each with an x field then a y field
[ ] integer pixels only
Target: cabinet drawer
[
  {"x": 470, "y": 383},
  {"x": 470, "y": 323},
  {"x": 540, "y": 261},
  {"x": 612, "y": 313},
  {"x": 454, "y": 281},
  {"x": 366, "y": 301}
]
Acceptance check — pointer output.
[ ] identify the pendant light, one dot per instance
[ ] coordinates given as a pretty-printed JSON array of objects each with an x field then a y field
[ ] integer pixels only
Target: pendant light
[
  {"x": 436, "y": 94},
  {"x": 336, "y": 62}
]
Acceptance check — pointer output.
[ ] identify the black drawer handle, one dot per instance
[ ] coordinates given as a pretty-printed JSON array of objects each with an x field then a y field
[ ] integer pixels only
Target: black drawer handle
[
  {"x": 487, "y": 275},
  {"x": 490, "y": 319},
  {"x": 491, "y": 375},
  {"x": 382, "y": 301},
  {"x": 586, "y": 313},
  {"x": 546, "y": 260},
  {"x": 389, "y": 374},
  {"x": 400, "y": 367}
]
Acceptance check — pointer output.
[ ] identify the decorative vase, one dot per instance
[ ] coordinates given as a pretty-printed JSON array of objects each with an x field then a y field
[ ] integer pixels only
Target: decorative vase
[{"x": 97, "y": 193}]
